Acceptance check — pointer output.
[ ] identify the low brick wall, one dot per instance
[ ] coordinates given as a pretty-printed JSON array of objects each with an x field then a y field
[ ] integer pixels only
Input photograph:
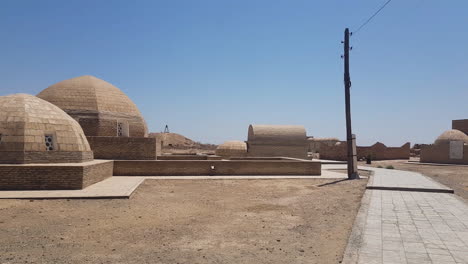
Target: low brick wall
[
  {"x": 293, "y": 151},
  {"x": 70, "y": 176},
  {"x": 189, "y": 157},
  {"x": 27, "y": 157},
  {"x": 221, "y": 167},
  {"x": 378, "y": 151},
  {"x": 123, "y": 148},
  {"x": 440, "y": 154}
]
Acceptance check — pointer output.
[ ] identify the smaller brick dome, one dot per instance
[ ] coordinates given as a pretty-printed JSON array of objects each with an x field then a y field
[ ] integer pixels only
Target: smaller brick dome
[
  {"x": 33, "y": 130},
  {"x": 451, "y": 135},
  {"x": 232, "y": 149}
]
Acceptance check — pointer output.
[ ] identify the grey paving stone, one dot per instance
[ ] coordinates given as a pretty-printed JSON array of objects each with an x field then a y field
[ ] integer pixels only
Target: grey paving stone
[
  {"x": 414, "y": 247},
  {"x": 414, "y": 227},
  {"x": 393, "y": 256},
  {"x": 417, "y": 256},
  {"x": 460, "y": 256}
]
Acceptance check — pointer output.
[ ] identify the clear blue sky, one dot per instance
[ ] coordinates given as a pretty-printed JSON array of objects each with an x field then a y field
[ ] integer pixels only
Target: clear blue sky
[{"x": 209, "y": 68}]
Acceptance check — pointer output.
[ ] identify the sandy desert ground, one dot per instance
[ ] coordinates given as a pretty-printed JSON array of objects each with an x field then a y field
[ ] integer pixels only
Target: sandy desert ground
[{"x": 188, "y": 221}]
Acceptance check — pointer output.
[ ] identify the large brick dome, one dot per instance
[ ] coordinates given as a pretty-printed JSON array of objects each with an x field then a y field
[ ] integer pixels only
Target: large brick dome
[
  {"x": 101, "y": 108},
  {"x": 35, "y": 131}
]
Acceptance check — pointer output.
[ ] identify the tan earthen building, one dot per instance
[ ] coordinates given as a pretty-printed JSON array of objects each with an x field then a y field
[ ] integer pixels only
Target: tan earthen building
[
  {"x": 33, "y": 132},
  {"x": 269, "y": 141},
  {"x": 112, "y": 123},
  {"x": 451, "y": 147}
]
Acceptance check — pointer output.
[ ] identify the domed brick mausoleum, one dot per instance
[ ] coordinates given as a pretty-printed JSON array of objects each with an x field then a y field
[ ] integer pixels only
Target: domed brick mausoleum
[
  {"x": 112, "y": 123},
  {"x": 277, "y": 141},
  {"x": 451, "y": 135},
  {"x": 34, "y": 131},
  {"x": 268, "y": 141},
  {"x": 101, "y": 108},
  {"x": 232, "y": 148},
  {"x": 450, "y": 147}
]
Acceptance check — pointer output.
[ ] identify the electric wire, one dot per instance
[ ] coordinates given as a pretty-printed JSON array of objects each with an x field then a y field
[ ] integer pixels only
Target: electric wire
[{"x": 371, "y": 17}]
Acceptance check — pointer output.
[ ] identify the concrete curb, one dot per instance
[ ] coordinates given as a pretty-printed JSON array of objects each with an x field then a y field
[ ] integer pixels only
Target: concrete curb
[
  {"x": 407, "y": 189},
  {"x": 436, "y": 164},
  {"x": 438, "y": 188},
  {"x": 351, "y": 254}
]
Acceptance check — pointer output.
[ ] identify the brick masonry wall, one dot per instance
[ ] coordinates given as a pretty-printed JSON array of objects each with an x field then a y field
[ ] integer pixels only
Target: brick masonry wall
[
  {"x": 334, "y": 152},
  {"x": 90, "y": 126},
  {"x": 53, "y": 176},
  {"x": 105, "y": 125},
  {"x": 256, "y": 150},
  {"x": 123, "y": 148},
  {"x": 378, "y": 151},
  {"x": 94, "y": 173},
  {"x": 440, "y": 154},
  {"x": 315, "y": 145},
  {"x": 183, "y": 157},
  {"x": 29, "y": 157},
  {"x": 381, "y": 152},
  {"x": 202, "y": 167},
  {"x": 461, "y": 125}
]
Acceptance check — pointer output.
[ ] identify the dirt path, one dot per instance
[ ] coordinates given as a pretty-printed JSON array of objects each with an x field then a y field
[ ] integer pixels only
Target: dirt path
[{"x": 183, "y": 221}]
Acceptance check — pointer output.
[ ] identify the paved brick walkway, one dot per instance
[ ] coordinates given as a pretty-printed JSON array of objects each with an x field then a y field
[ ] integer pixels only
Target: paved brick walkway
[
  {"x": 385, "y": 178},
  {"x": 407, "y": 226}
]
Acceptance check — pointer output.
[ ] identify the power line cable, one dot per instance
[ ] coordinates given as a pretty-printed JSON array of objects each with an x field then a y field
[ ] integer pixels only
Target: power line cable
[{"x": 370, "y": 18}]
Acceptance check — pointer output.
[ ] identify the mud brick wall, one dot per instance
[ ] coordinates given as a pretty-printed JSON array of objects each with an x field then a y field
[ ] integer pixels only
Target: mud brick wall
[
  {"x": 257, "y": 150},
  {"x": 189, "y": 157},
  {"x": 53, "y": 176},
  {"x": 440, "y": 154},
  {"x": 90, "y": 126},
  {"x": 203, "y": 167},
  {"x": 334, "y": 152},
  {"x": 97, "y": 172},
  {"x": 377, "y": 151},
  {"x": 461, "y": 125},
  {"x": 183, "y": 157},
  {"x": 22, "y": 157},
  {"x": 108, "y": 127},
  {"x": 123, "y": 148}
]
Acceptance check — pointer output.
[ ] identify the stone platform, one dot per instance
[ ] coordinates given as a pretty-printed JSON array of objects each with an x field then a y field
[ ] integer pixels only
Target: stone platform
[
  {"x": 54, "y": 176},
  {"x": 123, "y": 186}
]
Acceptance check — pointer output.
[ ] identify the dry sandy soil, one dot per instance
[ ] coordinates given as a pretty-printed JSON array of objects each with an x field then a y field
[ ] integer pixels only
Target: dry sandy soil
[
  {"x": 455, "y": 177},
  {"x": 187, "y": 221}
]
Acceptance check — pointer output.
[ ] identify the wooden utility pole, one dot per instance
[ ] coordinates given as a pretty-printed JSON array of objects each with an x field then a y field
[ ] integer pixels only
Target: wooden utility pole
[{"x": 350, "y": 138}]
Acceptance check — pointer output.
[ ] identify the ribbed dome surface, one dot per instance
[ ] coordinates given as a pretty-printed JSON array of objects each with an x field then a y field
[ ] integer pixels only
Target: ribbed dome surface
[
  {"x": 88, "y": 93},
  {"x": 451, "y": 135},
  {"x": 98, "y": 106},
  {"x": 232, "y": 149},
  {"x": 25, "y": 123}
]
